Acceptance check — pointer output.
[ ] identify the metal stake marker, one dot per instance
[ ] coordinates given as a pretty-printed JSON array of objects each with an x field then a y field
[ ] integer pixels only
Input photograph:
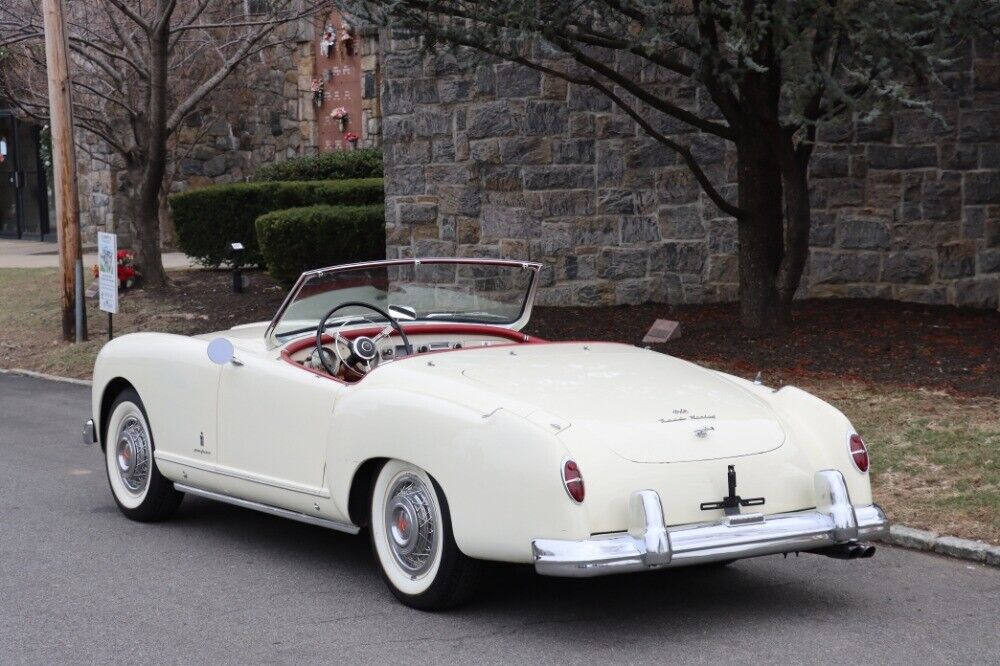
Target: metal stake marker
[{"x": 80, "y": 337}]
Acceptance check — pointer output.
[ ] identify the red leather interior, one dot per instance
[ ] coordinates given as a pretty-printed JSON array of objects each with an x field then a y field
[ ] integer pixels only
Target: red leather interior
[{"x": 437, "y": 329}]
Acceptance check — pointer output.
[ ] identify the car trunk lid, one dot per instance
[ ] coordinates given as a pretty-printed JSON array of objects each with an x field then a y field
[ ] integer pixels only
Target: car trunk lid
[{"x": 643, "y": 406}]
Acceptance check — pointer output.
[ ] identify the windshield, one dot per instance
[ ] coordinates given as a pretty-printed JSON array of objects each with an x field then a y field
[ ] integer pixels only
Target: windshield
[{"x": 437, "y": 290}]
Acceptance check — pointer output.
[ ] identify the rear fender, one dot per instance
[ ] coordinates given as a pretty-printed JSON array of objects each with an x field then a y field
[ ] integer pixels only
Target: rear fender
[{"x": 500, "y": 473}]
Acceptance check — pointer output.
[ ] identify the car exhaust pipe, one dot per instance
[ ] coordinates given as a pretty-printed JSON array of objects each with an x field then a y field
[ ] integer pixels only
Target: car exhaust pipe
[{"x": 847, "y": 551}]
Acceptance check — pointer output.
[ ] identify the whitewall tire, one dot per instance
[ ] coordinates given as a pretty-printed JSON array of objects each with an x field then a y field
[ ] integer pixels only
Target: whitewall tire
[
  {"x": 139, "y": 490},
  {"x": 412, "y": 540}
]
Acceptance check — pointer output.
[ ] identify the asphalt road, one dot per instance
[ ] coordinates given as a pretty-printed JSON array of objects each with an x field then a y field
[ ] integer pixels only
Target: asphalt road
[{"x": 79, "y": 583}]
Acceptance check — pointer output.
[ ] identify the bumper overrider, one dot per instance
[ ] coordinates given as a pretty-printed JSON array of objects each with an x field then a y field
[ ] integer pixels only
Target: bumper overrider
[{"x": 649, "y": 544}]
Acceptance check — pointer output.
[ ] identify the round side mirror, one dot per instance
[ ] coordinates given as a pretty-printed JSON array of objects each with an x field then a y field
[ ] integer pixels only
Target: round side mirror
[{"x": 221, "y": 351}]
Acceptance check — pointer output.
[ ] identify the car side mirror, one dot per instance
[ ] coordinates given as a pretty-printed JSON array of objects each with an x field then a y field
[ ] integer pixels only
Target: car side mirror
[{"x": 221, "y": 351}]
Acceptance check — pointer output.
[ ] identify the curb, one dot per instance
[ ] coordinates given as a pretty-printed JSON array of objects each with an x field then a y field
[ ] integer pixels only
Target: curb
[
  {"x": 963, "y": 549},
  {"x": 42, "y": 375}
]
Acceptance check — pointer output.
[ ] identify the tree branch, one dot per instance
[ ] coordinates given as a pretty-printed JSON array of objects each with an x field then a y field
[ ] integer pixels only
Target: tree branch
[
  {"x": 658, "y": 103},
  {"x": 132, "y": 15},
  {"x": 685, "y": 153}
]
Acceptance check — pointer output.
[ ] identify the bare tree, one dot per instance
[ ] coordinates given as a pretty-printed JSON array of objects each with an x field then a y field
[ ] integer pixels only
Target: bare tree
[
  {"x": 140, "y": 68},
  {"x": 771, "y": 72}
]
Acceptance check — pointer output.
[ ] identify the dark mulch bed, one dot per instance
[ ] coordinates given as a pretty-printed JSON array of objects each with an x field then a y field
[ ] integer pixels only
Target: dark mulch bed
[
  {"x": 209, "y": 294},
  {"x": 936, "y": 347}
]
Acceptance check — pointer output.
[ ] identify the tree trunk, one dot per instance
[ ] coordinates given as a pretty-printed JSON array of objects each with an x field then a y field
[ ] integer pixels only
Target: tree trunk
[
  {"x": 761, "y": 236},
  {"x": 147, "y": 219},
  {"x": 168, "y": 237},
  {"x": 798, "y": 220}
]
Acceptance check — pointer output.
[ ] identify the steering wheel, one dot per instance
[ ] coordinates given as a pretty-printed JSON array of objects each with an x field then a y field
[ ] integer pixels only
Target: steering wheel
[{"x": 363, "y": 349}]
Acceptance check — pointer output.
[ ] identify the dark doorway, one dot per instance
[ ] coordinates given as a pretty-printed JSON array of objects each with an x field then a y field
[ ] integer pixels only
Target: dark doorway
[{"x": 24, "y": 181}]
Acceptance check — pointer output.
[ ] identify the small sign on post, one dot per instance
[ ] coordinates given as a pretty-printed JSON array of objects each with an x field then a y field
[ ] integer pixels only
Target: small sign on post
[
  {"x": 662, "y": 330},
  {"x": 107, "y": 275}
]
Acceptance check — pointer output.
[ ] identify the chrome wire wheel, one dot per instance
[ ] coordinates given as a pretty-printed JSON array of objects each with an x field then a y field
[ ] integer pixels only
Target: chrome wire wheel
[
  {"x": 412, "y": 539},
  {"x": 411, "y": 525},
  {"x": 141, "y": 492},
  {"x": 129, "y": 454},
  {"x": 132, "y": 455},
  {"x": 407, "y": 528}
]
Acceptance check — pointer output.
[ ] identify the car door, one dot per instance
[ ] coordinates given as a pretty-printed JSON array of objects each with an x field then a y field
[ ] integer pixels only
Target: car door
[{"x": 274, "y": 423}]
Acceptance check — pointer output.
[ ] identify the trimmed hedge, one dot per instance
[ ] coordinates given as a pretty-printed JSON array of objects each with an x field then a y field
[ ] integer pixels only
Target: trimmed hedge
[
  {"x": 207, "y": 220},
  {"x": 337, "y": 165},
  {"x": 301, "y": 239}
]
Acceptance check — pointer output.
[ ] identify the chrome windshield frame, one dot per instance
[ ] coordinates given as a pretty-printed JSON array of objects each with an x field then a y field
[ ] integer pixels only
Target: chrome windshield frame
[{"x": 272, "y": 342}]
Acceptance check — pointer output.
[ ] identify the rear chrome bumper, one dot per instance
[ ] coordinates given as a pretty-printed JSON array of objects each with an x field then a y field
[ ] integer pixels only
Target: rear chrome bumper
[{"x": 649, "y": 544}]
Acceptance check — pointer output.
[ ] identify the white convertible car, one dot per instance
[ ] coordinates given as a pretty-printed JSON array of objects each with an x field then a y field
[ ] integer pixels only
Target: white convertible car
[{"x": 399, "y": 396}]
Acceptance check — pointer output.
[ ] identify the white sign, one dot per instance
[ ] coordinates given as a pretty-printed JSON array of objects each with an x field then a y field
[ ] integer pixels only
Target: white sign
[{"x": 107, "y": 266}]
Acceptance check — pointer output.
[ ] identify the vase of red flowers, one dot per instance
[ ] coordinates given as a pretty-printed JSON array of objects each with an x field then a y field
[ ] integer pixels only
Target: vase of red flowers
[
  {"x": 127, "y": 273},
  {"x": 352, "y": 139}
]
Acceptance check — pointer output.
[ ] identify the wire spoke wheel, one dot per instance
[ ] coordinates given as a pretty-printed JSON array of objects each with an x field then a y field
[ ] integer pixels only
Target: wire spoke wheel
[
  {"x": 139, "y": 489},
  {"x": 133, "y": 455},
  {"x": 412, "y": 539},
  {"x": 411, "y": 525}
]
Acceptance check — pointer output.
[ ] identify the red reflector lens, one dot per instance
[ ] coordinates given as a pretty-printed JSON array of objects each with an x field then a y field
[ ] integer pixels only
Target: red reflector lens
[
  {"x": 573, "y": 480},
  {"x": 859, "y": 452}
]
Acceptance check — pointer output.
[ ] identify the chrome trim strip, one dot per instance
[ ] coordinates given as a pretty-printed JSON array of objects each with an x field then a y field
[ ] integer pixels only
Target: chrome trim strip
[
  {"x": 267, "y": 508},
  {"x": 243, "y": 476},
  {"x": 649, "y": 544},
  {"x": 89, "y": 433}
]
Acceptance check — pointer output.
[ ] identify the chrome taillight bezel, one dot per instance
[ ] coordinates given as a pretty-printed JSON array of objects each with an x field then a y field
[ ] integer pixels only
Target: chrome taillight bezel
[
  {"x": 576, "y": 482},
  {"x": 853, "y": 438}
]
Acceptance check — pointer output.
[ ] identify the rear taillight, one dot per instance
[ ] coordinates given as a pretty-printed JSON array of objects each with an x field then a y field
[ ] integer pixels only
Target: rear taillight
[
  {"x": 573, "y": 480},
  {"x": 859, "y": 452}
]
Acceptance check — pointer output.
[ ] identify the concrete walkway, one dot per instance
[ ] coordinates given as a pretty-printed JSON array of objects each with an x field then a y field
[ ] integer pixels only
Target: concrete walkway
[{"x": 35, "y": 254}]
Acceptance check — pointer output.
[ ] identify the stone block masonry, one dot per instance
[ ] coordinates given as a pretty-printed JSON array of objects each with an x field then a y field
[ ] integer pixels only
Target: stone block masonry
[{"x": 490, "y": 159}]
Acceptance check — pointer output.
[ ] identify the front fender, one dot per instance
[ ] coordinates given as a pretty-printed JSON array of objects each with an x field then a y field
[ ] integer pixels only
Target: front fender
[{"x": 174, "y": 378}]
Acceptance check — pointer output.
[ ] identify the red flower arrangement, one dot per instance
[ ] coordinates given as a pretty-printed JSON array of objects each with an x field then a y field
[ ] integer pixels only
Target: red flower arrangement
[
  {"x": 351, "y": 138},
  {"x": 126, "y": 268}
]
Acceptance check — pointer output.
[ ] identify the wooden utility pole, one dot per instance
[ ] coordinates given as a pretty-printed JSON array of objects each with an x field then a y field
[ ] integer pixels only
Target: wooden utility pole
[{"x": 64, "y": 162}]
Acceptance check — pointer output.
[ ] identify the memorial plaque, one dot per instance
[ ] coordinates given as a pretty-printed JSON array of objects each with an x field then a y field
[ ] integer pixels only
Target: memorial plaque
[
  {"x": 663, "y": 330},
  {"x": 336, "y": 84}
]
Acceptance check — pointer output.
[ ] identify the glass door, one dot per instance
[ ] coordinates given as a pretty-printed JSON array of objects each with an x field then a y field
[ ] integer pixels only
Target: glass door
[
  {"x": 9, "y": 223},
  {"x": 24, "y": 197},
  {"x": 31, "y": 181}
]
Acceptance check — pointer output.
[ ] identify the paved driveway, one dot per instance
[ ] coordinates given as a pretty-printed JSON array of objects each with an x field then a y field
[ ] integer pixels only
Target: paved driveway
[
  {"x": 35, "y": 254},
  {"x": 81, "y": 584}
]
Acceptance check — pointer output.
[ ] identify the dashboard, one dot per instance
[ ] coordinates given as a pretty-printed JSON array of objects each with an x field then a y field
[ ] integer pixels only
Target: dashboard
[{"x": 392, "y": 348}]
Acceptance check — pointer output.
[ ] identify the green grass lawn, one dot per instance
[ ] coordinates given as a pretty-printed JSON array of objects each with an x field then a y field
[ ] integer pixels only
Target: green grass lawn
[
  {"x": 935, "y": 457},
  {"x": 31, "y": 323}
]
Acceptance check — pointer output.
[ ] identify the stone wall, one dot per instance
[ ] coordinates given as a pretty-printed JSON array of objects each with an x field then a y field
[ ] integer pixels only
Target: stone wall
[{"x": 491, "y": 159}]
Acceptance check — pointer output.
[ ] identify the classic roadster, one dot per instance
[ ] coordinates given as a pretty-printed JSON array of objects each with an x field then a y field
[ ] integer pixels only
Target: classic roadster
[{"x": 400, "y": 396}]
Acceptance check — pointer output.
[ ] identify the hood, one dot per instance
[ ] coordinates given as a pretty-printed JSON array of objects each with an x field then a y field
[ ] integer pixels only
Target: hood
[{"x": 644, "y": 406}]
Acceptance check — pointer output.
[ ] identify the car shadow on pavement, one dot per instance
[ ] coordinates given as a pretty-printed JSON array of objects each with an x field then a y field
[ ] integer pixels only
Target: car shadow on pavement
[{"x": 683, "y": 599}]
